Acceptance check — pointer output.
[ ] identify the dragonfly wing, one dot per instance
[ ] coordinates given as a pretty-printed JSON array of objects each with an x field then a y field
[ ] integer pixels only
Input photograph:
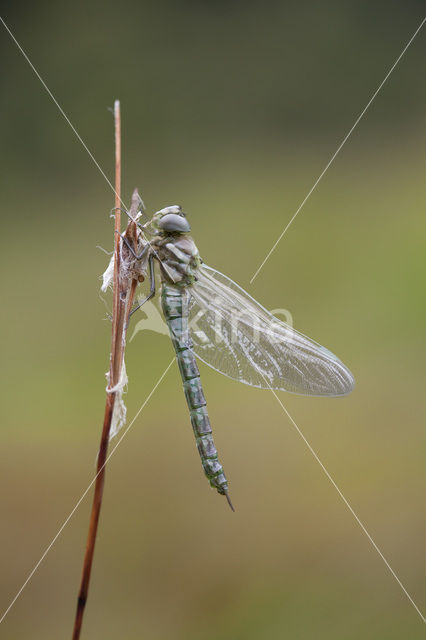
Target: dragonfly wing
[{"x": 235, "y": 335}]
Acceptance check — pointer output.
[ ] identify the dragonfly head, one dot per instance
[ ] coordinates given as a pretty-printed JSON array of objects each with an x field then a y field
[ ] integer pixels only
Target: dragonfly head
[{"x": 171, "y": 220}]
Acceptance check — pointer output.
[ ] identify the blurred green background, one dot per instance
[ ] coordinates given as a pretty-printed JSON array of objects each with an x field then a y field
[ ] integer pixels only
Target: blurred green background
[{"x": 231, "y": 109}]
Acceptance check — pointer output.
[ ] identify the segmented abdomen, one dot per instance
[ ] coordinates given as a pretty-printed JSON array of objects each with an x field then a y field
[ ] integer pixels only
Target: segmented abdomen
[{"x": 175, "y": 300}]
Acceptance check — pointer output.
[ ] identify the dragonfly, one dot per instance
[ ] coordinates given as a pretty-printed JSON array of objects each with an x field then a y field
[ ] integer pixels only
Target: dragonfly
[{"x": 211, "y": 318}]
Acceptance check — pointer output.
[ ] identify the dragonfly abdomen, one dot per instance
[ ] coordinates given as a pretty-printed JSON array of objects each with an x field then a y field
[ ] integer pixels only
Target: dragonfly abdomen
[
  {"x": 175, "y": 308},
  {"x": 201, "y": 423}
]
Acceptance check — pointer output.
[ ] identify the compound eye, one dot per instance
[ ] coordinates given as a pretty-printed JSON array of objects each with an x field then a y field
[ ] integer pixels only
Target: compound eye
[{"x": 173, "y": 222}]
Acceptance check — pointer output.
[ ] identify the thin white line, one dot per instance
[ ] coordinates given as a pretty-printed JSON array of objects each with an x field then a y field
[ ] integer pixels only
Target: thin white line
[
  {"x": 349, "y": 507},
  {"x": 338, "y": 149},
  {"x": 82, "y": 497},
  {"x": 72, "y": 127},
  {"x": 59, "y": 106}
]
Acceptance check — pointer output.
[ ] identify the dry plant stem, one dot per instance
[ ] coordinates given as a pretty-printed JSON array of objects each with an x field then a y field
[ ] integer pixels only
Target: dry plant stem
[{"x": 123, "y": 294}]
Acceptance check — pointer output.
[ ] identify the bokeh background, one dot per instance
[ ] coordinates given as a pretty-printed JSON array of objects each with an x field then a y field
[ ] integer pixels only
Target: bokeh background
[{"x": 231, "y": 109}]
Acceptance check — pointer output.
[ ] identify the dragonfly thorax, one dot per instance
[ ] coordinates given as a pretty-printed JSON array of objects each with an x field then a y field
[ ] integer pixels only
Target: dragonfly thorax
[{"x": 178, "y": 257}]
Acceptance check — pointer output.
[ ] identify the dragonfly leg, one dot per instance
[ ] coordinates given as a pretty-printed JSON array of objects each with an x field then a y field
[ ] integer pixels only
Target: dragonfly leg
[
  {"x": 114, "y": 209},
  {"x": 138, "y": 256},
  {"x": 152, "y": 286}
]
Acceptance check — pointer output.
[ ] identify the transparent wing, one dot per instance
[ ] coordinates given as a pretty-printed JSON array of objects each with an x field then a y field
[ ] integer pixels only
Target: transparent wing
[{"x": 235, "y": 335}]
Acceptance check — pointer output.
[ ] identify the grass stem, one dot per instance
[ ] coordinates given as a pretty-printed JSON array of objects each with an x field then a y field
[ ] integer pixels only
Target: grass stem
[{"x": 123, "y": 294}]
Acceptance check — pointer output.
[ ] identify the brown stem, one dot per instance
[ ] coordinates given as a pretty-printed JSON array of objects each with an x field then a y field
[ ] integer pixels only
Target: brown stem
[
  {"x": 116, "y": 360},
  {"x": 94, "y": 517}
]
